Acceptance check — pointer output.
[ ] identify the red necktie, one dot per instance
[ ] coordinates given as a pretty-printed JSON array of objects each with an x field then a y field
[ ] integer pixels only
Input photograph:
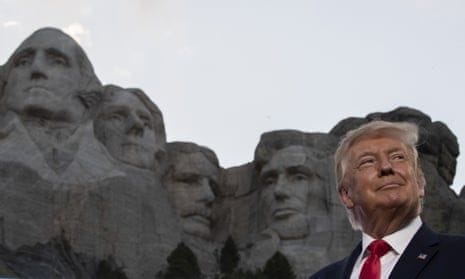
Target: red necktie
[{"x": 371, "y": 269}]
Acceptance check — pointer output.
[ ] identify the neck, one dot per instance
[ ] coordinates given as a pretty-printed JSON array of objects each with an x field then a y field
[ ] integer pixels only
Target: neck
[{"x": 381, "y": 224}]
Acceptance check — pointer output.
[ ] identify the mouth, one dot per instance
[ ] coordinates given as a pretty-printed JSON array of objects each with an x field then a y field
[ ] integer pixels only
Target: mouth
[
  {"x": 389, "y": 185},
  {"x": 132, "y": 144},
  {"x": 281, "y": 213},
  {"x": 200, "y": 219},
  {"x": 37, "y": 89}
]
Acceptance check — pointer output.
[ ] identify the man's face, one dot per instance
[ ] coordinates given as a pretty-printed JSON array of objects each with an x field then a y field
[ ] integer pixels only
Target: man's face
[
  {"x": 126, "y": 126},
  {"x": 45, "y": 76},
  {"x": 290, "y": 189},
  {"x": 381, "y": 178},
  {"x": 190, "y": 186}
]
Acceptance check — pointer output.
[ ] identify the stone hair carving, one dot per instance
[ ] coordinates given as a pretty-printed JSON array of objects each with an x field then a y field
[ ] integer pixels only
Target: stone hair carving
[
  {"x": 191, "y": 179},
  {"x": 131, "y": 127}
]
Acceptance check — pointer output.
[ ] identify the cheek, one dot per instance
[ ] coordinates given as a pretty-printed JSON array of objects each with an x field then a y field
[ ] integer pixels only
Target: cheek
[
  {"x": 149, "y": 138},
  {"x": 70, "y": 78},
  {"x": 113, "y": 128},
  {"x": 179, "y": 194},
  {"x": 266, "y": 198},
  {"x": 302, "y": 190}
]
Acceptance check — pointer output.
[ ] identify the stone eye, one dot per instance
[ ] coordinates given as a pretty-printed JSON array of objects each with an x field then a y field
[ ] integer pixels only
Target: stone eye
[
  {"x": 299, "y": 176},
  {"x": 269, "y": 180},
  {"x": 23, "y": 61}
]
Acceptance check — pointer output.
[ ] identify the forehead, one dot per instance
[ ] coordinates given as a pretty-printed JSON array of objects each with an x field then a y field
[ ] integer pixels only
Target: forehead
[
  {"x": 195, "y": 163},
  {"x": 124, "y": 98},
  {"x": 49, "y": 39},
  {"x": 378, "y": 144},
  {"x": 288, "y": 157}
]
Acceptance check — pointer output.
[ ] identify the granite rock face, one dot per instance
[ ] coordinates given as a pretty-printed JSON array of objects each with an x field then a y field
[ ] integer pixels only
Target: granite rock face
[{"x": 90, "y": 187}]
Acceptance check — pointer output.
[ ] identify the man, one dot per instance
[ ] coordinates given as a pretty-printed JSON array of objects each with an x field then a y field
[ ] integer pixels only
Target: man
[
  {"x": 47, "y": 102},
  {"x": 191, "y": 180},
  {"x": 382, "y": 186},
  {"x": 293, "y": 192},
  {"x": 131, "y": 127}
]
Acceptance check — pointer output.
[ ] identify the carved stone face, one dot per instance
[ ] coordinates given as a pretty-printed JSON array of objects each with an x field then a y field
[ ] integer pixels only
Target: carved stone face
[
  {"x": 190, "y": 185},
  {"x": 290, "y": 189},
  {"x": 126, "y": 129},
  {"x": 44, "y": 78}
]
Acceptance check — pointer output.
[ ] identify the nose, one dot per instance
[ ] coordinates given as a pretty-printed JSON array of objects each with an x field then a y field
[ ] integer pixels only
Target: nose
[
  {"x": 38, "y": 67},
  {"x": 281, "y": 191},
  {"x": 134, "y": 125},
  {"x": 206, "y": 193},
  {"x": 385, "y": 167}
]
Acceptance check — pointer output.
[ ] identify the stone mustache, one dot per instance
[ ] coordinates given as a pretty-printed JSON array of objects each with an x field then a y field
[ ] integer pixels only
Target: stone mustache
[{"x": 89, "y": 163}]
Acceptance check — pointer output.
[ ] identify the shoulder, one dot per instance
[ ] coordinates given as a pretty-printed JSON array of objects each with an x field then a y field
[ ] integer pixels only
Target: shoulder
[
  {"x": 334, "y": 270},
  {"x": 454, "y": 242}
]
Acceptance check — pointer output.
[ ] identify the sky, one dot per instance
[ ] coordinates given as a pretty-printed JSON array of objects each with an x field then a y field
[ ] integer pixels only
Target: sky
[{"x": 223, "y": 72}]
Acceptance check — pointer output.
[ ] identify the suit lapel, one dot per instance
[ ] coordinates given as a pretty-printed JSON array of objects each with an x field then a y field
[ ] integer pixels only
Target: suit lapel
[
  {"x": 418, "y": 253},
  {"x": 350, "y": 261}
]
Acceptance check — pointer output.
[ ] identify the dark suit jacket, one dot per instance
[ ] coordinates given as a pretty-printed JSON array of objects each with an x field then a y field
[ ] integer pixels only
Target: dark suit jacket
[{"x": 428, "y": 256}]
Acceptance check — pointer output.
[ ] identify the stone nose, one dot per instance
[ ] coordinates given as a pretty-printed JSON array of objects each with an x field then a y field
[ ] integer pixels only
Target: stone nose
[
  {"x": 38, "y": 67},
  {"x": 134, "y": 125},
  {"x": 281, "y": 189},
  {"x": 206, "y": 194}
]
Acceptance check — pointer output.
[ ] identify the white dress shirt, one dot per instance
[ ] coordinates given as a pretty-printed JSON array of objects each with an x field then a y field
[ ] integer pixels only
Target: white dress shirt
[{"x": 398, "y": 242}]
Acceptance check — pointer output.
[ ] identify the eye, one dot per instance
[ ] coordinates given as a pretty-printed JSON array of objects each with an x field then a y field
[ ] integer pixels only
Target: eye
[
  {"x": 269, "y": 180},
  {"x": 57, "y": 59},
  {"x": 117, "y": 117},
  {"x": 398, "y": 157},
  {"x": 366, "y": 162},
  {"x": 23, "y": 61},
  {"x": 146, "y": 121},
  {"x": 299, "y": 177},
  {"x": 188, "y": 179}
]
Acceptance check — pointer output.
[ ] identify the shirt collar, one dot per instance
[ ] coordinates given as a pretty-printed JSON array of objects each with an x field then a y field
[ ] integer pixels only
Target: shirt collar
[{"x": 397, "y": 240}]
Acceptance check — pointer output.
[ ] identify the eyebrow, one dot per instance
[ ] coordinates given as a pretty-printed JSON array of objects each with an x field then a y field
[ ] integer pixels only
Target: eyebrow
[
  {"x": 117, "y": 107},
  {"x": 266, "y": 174},
  {"x": 300, "y": 168},
  {"x": 290, "y": 169},
  {"x": 57, "y": 52},
  {"x": 26, "y": 51}
]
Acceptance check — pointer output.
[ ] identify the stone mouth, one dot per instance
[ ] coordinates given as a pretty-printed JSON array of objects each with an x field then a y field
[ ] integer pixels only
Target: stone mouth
[
  {"x": 284, "y": 212},
  {"x": 202, "y": 219}
]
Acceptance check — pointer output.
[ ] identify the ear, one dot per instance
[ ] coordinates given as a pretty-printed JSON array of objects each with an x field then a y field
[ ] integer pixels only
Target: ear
[
  {"x": 421, "y": 181},
  {"x": 346, "y": 198}
]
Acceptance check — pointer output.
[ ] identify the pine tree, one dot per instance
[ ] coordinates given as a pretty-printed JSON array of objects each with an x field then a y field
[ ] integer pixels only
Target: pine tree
[
  {"x": 229, "y": 258},
  {"x": 278, "y": 267},
  {"x": 182, "y": 264}
]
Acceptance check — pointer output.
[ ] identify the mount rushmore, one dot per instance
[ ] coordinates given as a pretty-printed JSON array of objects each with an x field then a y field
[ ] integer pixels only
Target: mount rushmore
[{"x": 86, "y": 174}]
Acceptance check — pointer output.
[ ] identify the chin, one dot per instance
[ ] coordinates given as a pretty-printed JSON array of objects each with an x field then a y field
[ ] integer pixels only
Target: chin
[
  {"x": 295, "y": 227},
  {"x": 197, "y": 230}
]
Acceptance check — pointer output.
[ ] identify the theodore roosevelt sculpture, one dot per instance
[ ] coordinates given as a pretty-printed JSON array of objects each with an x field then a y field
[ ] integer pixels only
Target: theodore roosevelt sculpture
[{"x": 191, "y": 179}]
